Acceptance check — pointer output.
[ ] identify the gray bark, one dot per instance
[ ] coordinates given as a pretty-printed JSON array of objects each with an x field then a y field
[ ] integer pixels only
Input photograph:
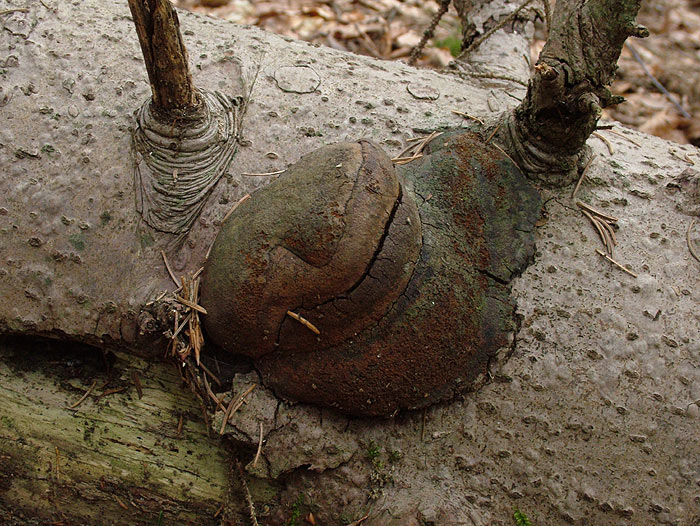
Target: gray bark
[{"x": 590, "y": 421}]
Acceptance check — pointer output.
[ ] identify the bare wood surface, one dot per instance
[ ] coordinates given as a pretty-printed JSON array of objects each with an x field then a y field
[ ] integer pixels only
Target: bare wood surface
[{"x": 115, "y": 458}]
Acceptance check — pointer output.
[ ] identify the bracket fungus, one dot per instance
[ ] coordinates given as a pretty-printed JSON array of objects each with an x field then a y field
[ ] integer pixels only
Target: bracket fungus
[
  {"x": 405, "y": 276},
  {"x": 350, "y": 284}
]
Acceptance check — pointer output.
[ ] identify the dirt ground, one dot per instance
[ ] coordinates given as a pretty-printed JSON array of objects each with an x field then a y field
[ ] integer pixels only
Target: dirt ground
[{"x": 658, "y": 75}]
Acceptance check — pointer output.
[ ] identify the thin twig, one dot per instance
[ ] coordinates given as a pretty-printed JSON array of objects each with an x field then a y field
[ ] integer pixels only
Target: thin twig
[
  {"x": 18, "y": 10},
  {"x": 121, "y": 502},
  {"x": 606, "y": 141},
  {"x": 260, "y": 442},
  {"x": 160, "y": 297},
  {"x": 678, "y": 156},
  {"x": 417, "y": 148},
  {"x": 233, "y": 208},
  {"x": 687, "y": 238},
  {"x": 234, "y": 405},
  {"x": 180, "y": 423},
  {"x": 87, "y": 393},
  {"x": 406, "y": 160},
  {"x": 583, "y": 205},
  {"x": 263, "y": 174},
  {"x": 427, "y": 141},
  {"x": 371, "y": 47},
  {"x": 609, "y": 228},
  {"x": 547, "y": 14},
  {"x": 170, "y": 271},
  {"x": 467, "y": 116},
  {"x": 615, "y": 132},
  {"x": 246, "y": 491},
  {"x": 598, "y": 228},
  {"x": 495, "y": 28},
  {"x": 403, "y": 153},
  {"x": 495, "y": 130},
  {"x": 656, "y": 83},
  {"x": 478, "y": 75},
  {"x": 507, "y": 155},
  {"x": 137, "y": 383},
  {"x": 609, "y": 244},
  {"x": 212, "y": 375},
  {"x": 179, "y": 328},
  {"x": 428, "y": 33},
  {"x": 583, "y": 176},
  {"x": 211, "y": 394},
  {"x": 190, "y": 304},
  {"x": 618, "y": 265},
  {"x": 416, "y": 139},
  {"x": 58, "y": 464},
  {"x": 360, "y": 520},
  {"x": 111, "y": 392},
  {"x": 306, "y": 323}
]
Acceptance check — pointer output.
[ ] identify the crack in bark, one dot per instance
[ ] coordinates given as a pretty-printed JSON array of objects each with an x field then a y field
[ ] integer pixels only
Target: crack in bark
[{"x": 367, "y": 273}]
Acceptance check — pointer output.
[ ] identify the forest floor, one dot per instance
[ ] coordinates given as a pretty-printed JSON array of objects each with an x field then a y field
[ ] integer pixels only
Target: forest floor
[{"x": 658, "y": 76}]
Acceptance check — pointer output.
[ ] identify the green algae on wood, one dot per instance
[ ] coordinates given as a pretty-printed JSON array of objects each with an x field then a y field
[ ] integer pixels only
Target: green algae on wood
[{"x": 59, "y": 459}]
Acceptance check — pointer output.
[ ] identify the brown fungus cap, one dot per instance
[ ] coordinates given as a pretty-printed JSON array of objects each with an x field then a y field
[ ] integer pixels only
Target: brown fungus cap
[
  {"x": 318, "y": 242},
  {"x": 411, "y": 301}
]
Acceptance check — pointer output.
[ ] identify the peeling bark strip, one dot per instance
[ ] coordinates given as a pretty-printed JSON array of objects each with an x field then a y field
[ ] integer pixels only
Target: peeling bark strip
[
  {"x": 165, "y": 54},
  {"x": 547, "y": 133}
]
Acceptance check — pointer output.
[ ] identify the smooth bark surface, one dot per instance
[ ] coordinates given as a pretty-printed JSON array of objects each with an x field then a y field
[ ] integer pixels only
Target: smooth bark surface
[{"x": 81, "y": 263}]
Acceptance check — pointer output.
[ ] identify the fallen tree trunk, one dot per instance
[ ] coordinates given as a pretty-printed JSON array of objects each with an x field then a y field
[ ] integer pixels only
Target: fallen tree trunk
[
  {"x": 584, "y": 422},
  {"x": 82, "y": 261},
  {"x": 118, "y": 455}
]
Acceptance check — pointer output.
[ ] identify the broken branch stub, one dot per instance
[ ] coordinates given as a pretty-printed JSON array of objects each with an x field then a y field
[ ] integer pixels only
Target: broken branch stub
[
  {"x": 410, "y": 302},
  {"x": 185, "y": 138},
  {"x": 165, "y": 55},
  {"x": 547, "y": 132}
]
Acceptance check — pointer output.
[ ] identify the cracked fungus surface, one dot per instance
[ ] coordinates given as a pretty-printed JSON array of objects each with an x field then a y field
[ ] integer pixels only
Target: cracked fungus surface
[{"x": 411, "y": 302}]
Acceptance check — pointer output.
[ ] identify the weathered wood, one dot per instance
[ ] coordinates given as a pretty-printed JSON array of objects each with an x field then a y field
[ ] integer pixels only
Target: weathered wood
[
  {"x": 591, "y": 420},
  {"x": 115, "y": 458}
]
